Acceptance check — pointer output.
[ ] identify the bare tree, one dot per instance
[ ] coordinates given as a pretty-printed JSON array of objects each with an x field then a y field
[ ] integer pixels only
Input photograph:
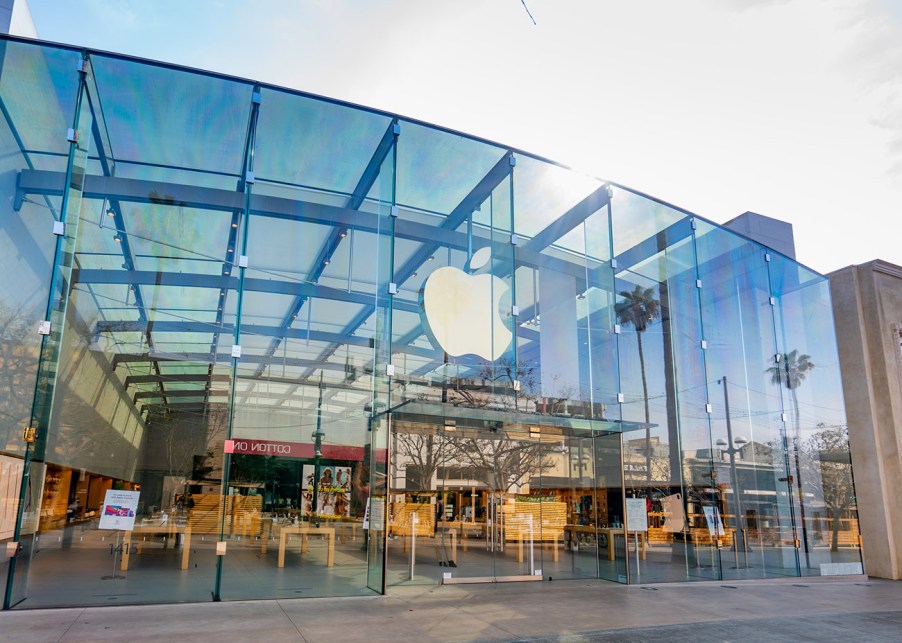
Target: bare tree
[
  {"x": 503, "y": 463},
  {"x": 827, "y": 454}
]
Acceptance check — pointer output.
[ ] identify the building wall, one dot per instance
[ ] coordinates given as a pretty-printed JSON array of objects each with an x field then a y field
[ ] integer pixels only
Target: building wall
[{"x": 867, "y": 302}]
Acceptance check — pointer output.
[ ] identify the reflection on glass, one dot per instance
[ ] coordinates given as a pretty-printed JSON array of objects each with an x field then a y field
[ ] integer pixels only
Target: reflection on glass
[{"x": 307, "y": 349}]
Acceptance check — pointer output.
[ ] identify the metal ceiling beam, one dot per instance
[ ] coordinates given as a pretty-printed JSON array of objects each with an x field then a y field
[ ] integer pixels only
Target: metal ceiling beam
[
  {"x": 180, "y": 377},
  {"x": 569, "y": 220},
  {"x": 219, "y": 282},
  {"x": 480, "y": 192},
  {"x": 143, "y": 395},
  {"x": 340, "y": 232},
  {"x": 251, "y": 329},
  {"x": 135, "y": 190}
]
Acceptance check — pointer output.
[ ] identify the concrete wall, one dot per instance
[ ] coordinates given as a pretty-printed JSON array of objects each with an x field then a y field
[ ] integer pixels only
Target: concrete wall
[
  {"x": 867, "y": 305},
  {"x": 773, "y": 233}
]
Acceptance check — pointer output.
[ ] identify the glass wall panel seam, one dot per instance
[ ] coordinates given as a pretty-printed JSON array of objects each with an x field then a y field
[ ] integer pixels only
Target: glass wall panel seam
[
  {"x": 247, "y": 171},
  {"x": 42, "y": 400},
  {"x": 707, "y": 376},
  {"x": 768, "y": 264}
]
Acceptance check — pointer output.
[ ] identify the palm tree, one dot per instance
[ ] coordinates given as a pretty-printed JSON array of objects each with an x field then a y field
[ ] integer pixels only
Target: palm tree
[
  {"x": 791, "y": 371},
  {"x": 639, "y": 308}
]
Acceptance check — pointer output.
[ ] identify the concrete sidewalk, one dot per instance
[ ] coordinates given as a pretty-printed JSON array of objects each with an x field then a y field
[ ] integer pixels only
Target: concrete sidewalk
[{"x": 799, "y": 610}]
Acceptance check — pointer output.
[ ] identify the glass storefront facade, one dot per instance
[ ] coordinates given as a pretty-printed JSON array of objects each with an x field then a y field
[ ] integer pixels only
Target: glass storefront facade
[{"x": 261, "y": 344}]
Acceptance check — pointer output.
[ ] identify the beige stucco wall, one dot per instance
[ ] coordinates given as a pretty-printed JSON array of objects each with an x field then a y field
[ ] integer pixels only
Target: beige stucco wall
[{"x": 867, "y": 303}]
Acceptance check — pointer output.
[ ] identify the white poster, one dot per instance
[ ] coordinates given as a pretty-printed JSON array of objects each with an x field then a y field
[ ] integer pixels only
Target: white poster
[
  {"x": 636, "y": 514},
  {"x": 334, "y": 492},
  {"x": 715, "y": 524},
  {"x": 119, "y": 508}
]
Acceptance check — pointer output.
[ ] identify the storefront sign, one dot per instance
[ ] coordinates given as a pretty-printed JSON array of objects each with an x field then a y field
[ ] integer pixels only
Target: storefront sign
[
  {"x": 119, "y": 509},
  {"x": 243, "y": 446}
]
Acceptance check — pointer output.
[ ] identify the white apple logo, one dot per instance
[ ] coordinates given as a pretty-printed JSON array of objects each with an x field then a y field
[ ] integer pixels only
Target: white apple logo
[{"x": 462, "y": 311}]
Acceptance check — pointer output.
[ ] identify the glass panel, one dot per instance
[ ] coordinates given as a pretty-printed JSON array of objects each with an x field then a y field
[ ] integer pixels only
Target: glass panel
[
  {"x": 663, "y": 381},
  {"x": 748, "y": 454},
  {"x": 133, "y": 464},
  {"x": 43, "y": 417},
  {"x": 31, "y": 137},
  {"x": 308, "y": 444},
  {"x": 808, "y": 377}
]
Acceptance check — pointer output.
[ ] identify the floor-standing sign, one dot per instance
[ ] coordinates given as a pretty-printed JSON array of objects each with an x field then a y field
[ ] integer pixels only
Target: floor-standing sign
[
  {"x": 118, "y": 513},
  {"x": 636, "y": 521}
]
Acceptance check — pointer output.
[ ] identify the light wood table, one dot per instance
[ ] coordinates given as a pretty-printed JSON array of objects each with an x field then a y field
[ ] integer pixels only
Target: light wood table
[
  {"x": 462, "y": 528},
  {"x": 169, "y": 530},
  {"x": 304, "y": 531},
  {"x": 609, "y": 534},
  {"x": 522, "y": 537}
]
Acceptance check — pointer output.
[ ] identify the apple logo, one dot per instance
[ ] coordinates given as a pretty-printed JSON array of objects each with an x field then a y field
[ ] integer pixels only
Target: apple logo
[{"x": 462, "y": 310}]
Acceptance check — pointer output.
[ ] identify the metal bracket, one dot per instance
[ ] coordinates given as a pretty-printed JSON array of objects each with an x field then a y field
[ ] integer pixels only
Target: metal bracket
[
  {"x": 704, "y": 344},
  {"x": 392, "y": 288},
  {"x": 29, "y": 434},
  {"x": 773, "y": 301},
  {"x": 513, "y": 160},
  {"x": 515, "y": 311},
  {"x": 236, "y": 350},
  {"x": 44, "y": 328},
  {"x": 516, "y": 384},
  {"x": 767, "y": 256},
  {"x": 256, "y": 98},
  {"x": 614, "y": 263},
  {"x": 242, "y": 261},
  {"x": 396, "y": 128},
  {"x": 620, "y": 398},
  {"x": 514, "y": 240},
  {"x": 693, "y": 223},
  {"x": 72, "y": 135},
  {"x": 616, "y": 329},
  {"x": 610, "y": 190},
  {"x": 698, "y": 283},
  {"x": 394, "y": 211},
  {"x": 249, "y": 177},
  {"x": 390, "y": 370},
  {"x": 59, "y": 228},
  {"x": 82, "y": 66},
  {"x": 708, "y": 408}
]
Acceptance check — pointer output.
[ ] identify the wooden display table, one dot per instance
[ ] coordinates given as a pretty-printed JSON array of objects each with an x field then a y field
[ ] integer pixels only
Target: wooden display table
[
  {"x": 521, "y": 537},
  {"x": 462, "y": 528},
  {"x": 169, "y": 530},
  {"x": 610, "y": 533},
  {"x": 304, "y": 531}
]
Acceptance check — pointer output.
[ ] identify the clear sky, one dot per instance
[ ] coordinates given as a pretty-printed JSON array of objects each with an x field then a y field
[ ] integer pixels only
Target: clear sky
[{"x": 789, "y": 108}]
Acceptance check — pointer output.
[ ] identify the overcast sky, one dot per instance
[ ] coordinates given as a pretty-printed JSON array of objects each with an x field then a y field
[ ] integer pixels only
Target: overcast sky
[{"x": 789, "y": 108}]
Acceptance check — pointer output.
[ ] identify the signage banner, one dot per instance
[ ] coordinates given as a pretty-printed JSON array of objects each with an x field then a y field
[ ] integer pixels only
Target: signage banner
[
  {"x": 715, "y": 524},
  {"x": 333, "y": 493},
  {"x": 247, "y": 446},
  {"x": 118, "y": 511},
  {"x": 636, "y": 514}
]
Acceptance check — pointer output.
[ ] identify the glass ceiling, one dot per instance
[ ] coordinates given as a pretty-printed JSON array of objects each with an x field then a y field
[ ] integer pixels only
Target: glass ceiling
[{"x": 159, "y": 242}]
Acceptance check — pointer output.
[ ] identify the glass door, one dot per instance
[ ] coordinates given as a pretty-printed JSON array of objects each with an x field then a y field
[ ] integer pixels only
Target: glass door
[{"x": 492, "y": 503}]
